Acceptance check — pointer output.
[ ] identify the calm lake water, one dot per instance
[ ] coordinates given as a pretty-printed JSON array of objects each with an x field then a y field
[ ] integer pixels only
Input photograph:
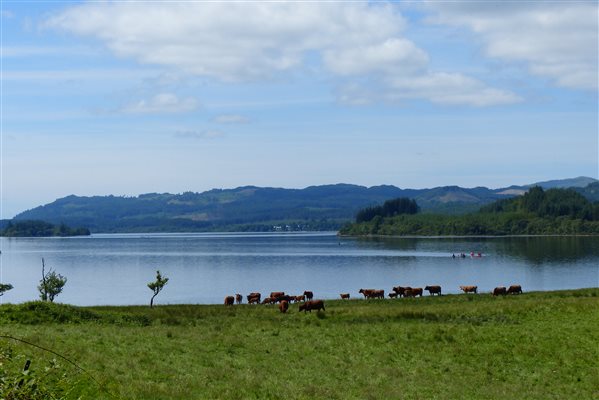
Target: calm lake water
[{"x": 203, "y": 268}]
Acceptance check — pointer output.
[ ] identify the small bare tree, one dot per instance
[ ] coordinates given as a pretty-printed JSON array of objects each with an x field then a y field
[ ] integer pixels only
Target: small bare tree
[
  {"x": 51, "y": 284},
  {"x": 157, "y": 286}
]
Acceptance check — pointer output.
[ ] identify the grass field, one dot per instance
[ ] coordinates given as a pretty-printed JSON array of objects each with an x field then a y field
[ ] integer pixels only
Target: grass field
[{"x": 542, "y": 345}]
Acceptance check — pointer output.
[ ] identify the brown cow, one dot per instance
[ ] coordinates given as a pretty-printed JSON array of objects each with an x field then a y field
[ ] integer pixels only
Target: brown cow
[
  {"x": 400, "y": 290},
  {"x": 268, "y": 300},
  {"x": 514, "y": 289},
  {"x": 276, "y": 295},
  {"x": 377, "y": 294},
  {"x": 500, "y": 290},
  {"x": 229, "y": 300},
  {"x": 344, "y": 296},
  {"x": 254, "y": 297},
  {"x": 300, "y": 298},
  {"x": 283, "y": 306},
  {"x": 366, "y": 292},
  {"x": 413, "y": 292},
  {"x": 309, "y": 295},
  {"x": 393, "y": 295},
  {"x": 238, "y": 298},
  {"x": 312, "y": 305},
  {"x": 469, "y": 289},
  {"x": 433, "y": 290}
]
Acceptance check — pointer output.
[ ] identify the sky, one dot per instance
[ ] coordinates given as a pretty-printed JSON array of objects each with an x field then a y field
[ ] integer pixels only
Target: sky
[{"x": 132, "y": 97}]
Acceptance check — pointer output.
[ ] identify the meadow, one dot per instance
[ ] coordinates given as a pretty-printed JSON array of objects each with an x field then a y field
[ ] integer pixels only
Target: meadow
[{"x": 540, "y": 345}]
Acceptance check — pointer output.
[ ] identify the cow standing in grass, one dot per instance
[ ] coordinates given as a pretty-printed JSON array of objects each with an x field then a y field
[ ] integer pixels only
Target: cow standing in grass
[
  {"x": 434, "y": 290},
  {"x": 514, "y": 289},
  {"x": 312, "y": 305}
]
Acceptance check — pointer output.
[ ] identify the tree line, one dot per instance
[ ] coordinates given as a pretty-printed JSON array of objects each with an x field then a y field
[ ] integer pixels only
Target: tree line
[
  {"x": 538, "y": 212},
  {"x": 390, "y": 208}
]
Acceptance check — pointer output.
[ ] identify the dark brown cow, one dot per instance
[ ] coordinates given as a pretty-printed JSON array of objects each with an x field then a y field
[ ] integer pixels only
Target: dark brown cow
[
  {"x": 344, "y": 296},
  {"x": 366, "y": 292},
  {"x": 393, "y": 295},
  {"x": 377, "y": 294},
  {"x": 276, "y": 295},
  {"x": 514, "y": 289},
  {"x": 229, "y": 300},
  {"x": 413, "y": 292},
  {"x": 254, "y": 298},
  {"x": 400, "y": 290},
  {"x": 268, "y": 300},
  {"x": 238, "y": 298},
  {"x": 312, "y": 305},
  {"x": 469, "y": 289},
  {"x": 433, "y": 290},
  {"x": 283, "y": 306},
  {"x": 500, "y": 290},
  {"x": 309, "y": 295},
  {"x": 300, "y": 298}
]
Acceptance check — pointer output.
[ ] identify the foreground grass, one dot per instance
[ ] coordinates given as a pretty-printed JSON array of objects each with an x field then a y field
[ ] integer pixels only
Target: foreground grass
[{"x": 533, "y": 346}]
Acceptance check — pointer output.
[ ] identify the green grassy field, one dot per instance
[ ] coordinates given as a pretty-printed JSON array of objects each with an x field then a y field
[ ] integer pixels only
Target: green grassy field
[{"x": 542, "y": 345}]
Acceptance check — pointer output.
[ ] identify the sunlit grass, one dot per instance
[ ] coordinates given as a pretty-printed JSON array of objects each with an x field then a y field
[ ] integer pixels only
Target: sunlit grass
[{"x": 533, "y": 346}]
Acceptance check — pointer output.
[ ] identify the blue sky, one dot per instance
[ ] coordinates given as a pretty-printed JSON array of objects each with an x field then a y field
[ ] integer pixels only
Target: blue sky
[{"x": 126, "y": 98}]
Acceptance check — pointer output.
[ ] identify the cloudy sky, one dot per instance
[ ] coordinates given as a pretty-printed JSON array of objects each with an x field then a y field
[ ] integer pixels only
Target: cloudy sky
[{"x": 126, "y": 98}]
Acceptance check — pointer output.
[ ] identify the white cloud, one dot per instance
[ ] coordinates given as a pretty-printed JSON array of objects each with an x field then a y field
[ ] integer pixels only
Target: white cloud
[
  {"x": 192, "y": 134},
  {"x": 161, "y": 103},
  {"x": 450, "y": 89},
  {"x": 241, "y": 41},
  {"x": 231, "y": 119},
  {"x": 557, "y": 40}
]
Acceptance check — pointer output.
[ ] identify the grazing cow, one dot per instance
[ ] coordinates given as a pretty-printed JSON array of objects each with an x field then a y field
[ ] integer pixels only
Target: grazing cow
[
  {"x": 229, "y": 300},
  {"x": 514, "y": 289},
  {"x": 433, "y": 290},
  {"x": 312, "y": 305},
  {"x": 393, "y": 295},
  {"x": 268, "y": 300},
  {"x": 413, "y": 292},
  {"x": 276, "y": 295},
  {"x": 283, "y": 306},
  {"x": 254, "y": 298},
  {"x": 309, "y": 295},
  {"x": 500, "y": 290},
  {"x": 344, "y": 296},
  {"x": 238, "y": 298},
  {"x": 469, "y": 289}
]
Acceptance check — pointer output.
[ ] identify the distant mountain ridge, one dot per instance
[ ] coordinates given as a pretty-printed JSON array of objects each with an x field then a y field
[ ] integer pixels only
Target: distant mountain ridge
[{"x": 257, "y": 208}]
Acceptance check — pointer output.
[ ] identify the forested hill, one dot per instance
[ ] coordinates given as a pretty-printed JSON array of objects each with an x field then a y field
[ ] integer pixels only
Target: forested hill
[
  {"x": 251, "y": 208},
  {"x": 537, "y": 212}
]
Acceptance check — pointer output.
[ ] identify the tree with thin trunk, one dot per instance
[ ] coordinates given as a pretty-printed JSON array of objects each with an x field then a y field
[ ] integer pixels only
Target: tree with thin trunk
[
  {"x": 4, "y": 287},
  {"x": 157, "y": 286},
  {"x": 51, "y": 284}
]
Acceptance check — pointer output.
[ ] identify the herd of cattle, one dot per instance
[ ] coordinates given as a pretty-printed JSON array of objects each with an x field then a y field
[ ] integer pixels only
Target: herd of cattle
[{"x": 398, "y": 291}]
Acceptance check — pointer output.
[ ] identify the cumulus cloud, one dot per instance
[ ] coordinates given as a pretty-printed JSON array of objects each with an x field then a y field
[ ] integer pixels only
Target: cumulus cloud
[
  {"x": 241, "y": 41},
  {"x": 556, "y": 40},
  {"x": 161, "y": 103}
]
